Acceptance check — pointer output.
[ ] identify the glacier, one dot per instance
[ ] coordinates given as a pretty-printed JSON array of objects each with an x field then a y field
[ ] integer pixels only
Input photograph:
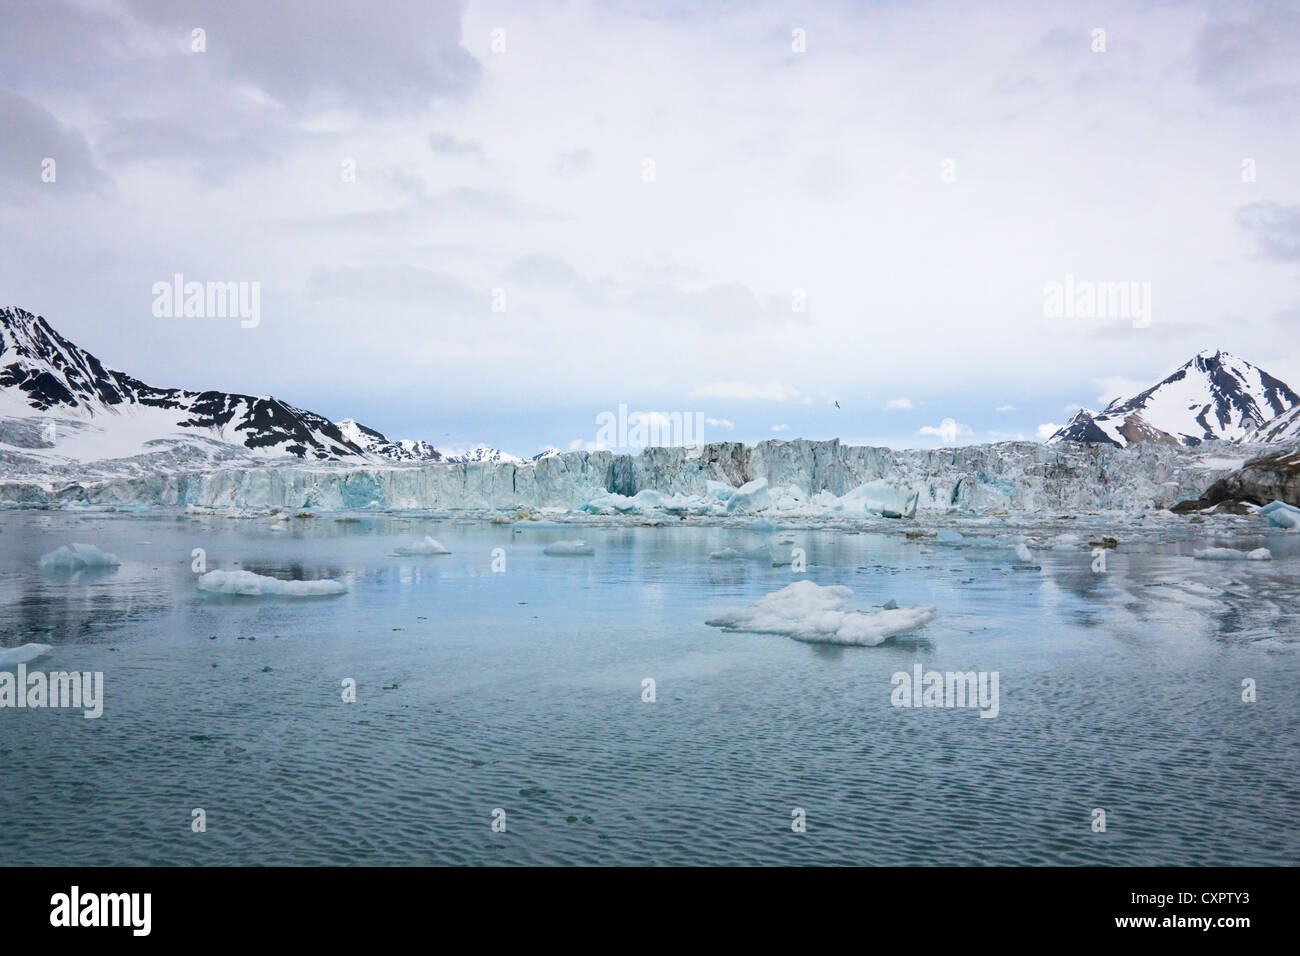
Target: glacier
[{"x": 776, "y": 478}]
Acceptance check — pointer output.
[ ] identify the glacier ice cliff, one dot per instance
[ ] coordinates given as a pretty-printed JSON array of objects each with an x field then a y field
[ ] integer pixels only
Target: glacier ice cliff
[{"x": 798, "y": 477}]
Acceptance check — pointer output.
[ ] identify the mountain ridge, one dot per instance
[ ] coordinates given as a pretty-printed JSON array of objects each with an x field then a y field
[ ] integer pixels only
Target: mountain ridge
[
  {"x": 1214, "y": 396},
  {"x": 43, "y": 372}
]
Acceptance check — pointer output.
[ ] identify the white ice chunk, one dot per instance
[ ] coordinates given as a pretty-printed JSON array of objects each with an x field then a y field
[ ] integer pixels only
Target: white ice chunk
[
  {"x": 808, "y": 612},
  {"x": 741, "y": 554},
  {"x": 76, "y": 557},
  {"x": 569, "y": 549},
  {"x": 427, "y": 545},
  {"x": 751, "y": 496},
  {"x": 23, "y": 654},
  {"x": 879, "y": 497},
  {"x": 248, "y": 583},
  {"x": 1232, "y": 554}
]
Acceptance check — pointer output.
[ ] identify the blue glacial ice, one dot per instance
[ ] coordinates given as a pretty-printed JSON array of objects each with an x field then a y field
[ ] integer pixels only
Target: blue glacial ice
[
  {"x": 77, "y": 557},
  {"x": 1282, "y": 515},
  {"x": 773, "y": 479}
]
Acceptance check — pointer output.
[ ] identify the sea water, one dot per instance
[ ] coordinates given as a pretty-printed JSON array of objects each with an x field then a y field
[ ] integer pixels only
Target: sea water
[{"x": 497, "y": 684}]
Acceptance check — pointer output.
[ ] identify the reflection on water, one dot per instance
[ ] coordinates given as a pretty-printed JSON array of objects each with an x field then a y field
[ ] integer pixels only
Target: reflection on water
[{"x": 523, "y": 690}]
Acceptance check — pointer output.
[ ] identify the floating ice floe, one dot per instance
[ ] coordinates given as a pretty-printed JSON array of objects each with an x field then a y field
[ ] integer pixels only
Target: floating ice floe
[
  {"x": 426, "y": 545},
  {"x": 248, "y": 583},
  {"x": 569, "y": 549},
  {"x": 808, "y": 612},
  {"x": 24, "y": 654},
  {"x": 77, "y": 557},
  {"x": 742, "y": 554},
  {"x": 1024, "y": 559},
  {"x": 1282, "y": 514},
  {"x": 1232, "y": 554}
]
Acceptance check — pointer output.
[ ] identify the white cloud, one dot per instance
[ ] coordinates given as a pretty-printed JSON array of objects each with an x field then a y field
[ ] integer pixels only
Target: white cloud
[
  {"x": 720, "y": 423},
  {"x": 780, "y": 428},
  {"x": 947, "y": 431},
  {"x": 750, "y": 391},
  {"x": 1005, "y": 408},
  {"x": 898, "y": 404},
  {"x": 1046, "y": 431},
  {"x": 447, "y": 174}
]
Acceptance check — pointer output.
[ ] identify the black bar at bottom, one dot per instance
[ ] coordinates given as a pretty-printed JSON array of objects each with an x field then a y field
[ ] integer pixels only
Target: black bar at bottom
[{"x": 298, "y": 905}]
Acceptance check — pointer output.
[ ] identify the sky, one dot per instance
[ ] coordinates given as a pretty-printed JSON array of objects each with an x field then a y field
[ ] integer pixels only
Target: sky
[{"x": 493, "y": 222}]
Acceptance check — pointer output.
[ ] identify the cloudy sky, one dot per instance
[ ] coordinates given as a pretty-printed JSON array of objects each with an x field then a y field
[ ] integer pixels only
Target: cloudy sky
[{"x": 746, "y": 210}]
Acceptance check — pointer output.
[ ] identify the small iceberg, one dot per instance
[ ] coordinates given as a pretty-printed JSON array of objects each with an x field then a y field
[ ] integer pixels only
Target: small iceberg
[
  {"x": 808, "y": 612},
  {"x": 78, "y": 557},
  {"x": 257, "y": 585},
  {"x": 1282, "y": 515},
  {"x": 1025, "y": 559},
  {"x": 24, "y": 654},
  {"x": 569, "y": 549},
  {"x": 426, "y": 546},
  {"x": 1232, "y": 554},
  {"x": 741, "y": 554}
]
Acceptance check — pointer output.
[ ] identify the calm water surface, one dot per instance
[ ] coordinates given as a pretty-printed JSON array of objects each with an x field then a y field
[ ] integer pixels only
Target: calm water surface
[{"x": 522, "y": 691}]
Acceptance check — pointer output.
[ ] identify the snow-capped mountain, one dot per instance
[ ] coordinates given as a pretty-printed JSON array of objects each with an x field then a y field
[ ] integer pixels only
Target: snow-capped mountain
[
  {"x": 374, "y": 443},
  {"x": 1283, "y": 430},
  {"x": 406, "y": 449},
  {"x": 484, "y": 453},
  {"x": 1215, "y": 396},
  {"x": 57, "y": 401}
]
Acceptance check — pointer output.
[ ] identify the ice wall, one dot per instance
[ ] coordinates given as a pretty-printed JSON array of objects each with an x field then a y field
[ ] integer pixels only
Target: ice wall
[{"x": 1015, "y": 476}]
